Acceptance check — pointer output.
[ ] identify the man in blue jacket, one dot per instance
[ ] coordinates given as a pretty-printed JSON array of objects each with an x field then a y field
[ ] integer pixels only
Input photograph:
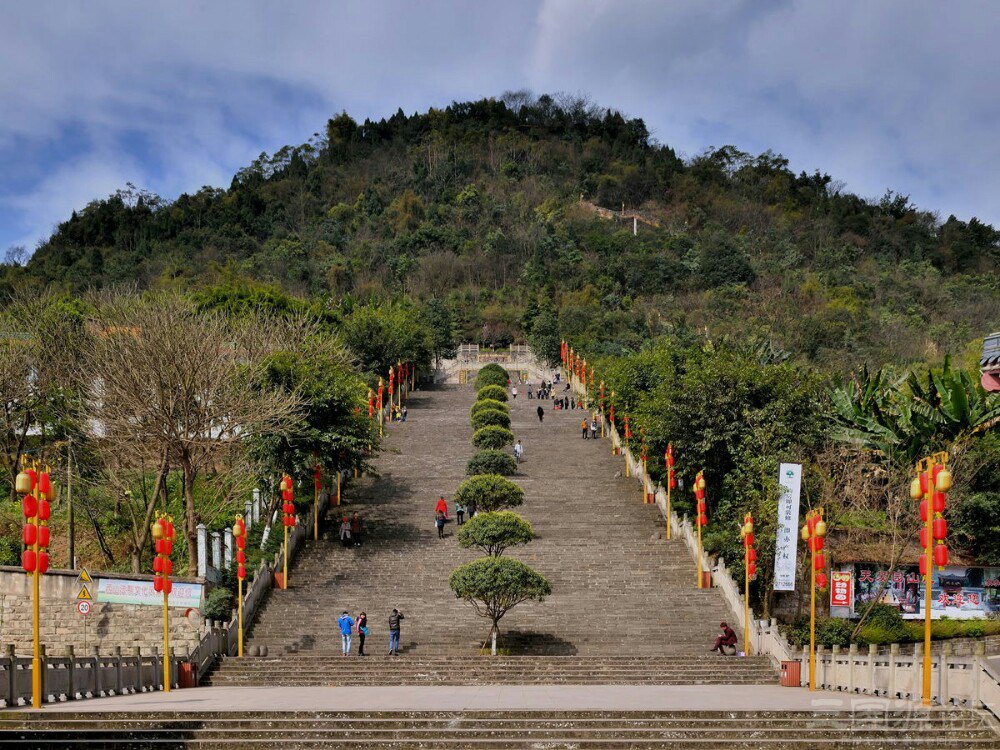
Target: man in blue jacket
[{"x": 346, "y": 625}]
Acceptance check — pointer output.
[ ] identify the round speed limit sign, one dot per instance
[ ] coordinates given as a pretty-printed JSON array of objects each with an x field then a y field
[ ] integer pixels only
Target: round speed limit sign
[{"x": 83, "y": 608}]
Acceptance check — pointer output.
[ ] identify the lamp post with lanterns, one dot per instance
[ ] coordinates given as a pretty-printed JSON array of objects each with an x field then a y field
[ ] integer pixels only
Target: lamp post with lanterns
[
  {"x": 628, "y": 437},
  {"x": 668, "y": 458},
  {"x": 287, "y": 519},
  {"x": 749, "y": 572},
  {"x": 611, "y": 419},
  {"x": 162, "y": 531},
  {"x": 36, "y": 488},
  {"x": 814, "y": 533},
  {"x": 240, "y": 537},
  {"x": 702, "y": 517},
  {"x": 931, "y": 486}
]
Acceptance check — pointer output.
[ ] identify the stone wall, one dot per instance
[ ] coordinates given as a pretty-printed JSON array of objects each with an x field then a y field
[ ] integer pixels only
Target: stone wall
[{"x": 107, "y": 626}]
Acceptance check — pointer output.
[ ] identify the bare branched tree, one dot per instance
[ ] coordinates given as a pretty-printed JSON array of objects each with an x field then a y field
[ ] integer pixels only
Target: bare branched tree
[{"x": 168, "y": 385}]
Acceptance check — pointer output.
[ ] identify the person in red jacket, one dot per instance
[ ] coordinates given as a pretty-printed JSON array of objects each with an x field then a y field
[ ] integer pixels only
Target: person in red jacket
[
  {"x": 441, "y": 507},
  {"x": 727, "y": 638}
]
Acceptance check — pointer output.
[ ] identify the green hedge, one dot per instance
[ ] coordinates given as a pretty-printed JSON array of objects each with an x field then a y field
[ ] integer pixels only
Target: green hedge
[
  {"x": 488, "y": 417},
  {"x": 492, "y": 437},
  {"x": 489, "y": 403},
  {"x": 494, "y": 392},
  {"x": 492, "y": 461},
  {"x": 492, "y": 375},
  {"x": 489, "y": 492}
]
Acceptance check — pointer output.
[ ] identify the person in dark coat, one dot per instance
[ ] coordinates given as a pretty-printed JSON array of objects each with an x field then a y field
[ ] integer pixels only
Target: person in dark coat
[
  {"x": 541, "y": 414},
  {"x": 727, "y": 638}
]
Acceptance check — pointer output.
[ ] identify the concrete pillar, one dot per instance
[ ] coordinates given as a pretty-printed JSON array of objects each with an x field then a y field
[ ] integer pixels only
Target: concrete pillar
[
  {"x": 227, "y": 538},
  {"x": 943, "y": 695},
  {"x": 852, "y": 655},
  {"x": 820, "y": 667},
  {"x": 248, "y": 513},
  {"x": 202, "y": 550},
  {"x": 217, "y": 550},
  {"x": 872, "y": 654},
  {"x": 978, "y": 653},
  {"x": 918, "y": 671},
  {"x": 893, "y": 656},
  {"x": 256, "y": 505},
  {"x": 833, "y": 676}
]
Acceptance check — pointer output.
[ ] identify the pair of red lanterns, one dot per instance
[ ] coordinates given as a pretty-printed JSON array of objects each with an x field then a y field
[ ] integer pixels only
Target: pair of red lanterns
[
  {"x": 240, "y": 537},
  {"x": 699, "y": 495},
  {"x": 287, "y": 501},
  {"x": 36, "y": 488},
  {"x": 162, "y": 531},
  {"x": 749, "y": 553},
  {"x": 814, "y": 534},
  {"x": 932, "y": 485}
]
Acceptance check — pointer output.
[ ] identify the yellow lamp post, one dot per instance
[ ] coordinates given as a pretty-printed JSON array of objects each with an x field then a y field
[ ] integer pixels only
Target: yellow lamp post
[
  {"x": 628, "y": 436},
  {"x": 287, "y": 519},
  {"x": 162, "y": 532},
  {"x": 749, "y": 572},
  {"x": 611, "y": 419},
  {"x": 381, "y": 387},
  {"x": 317, "y": 484},
  {"x": 36, "y": 488},
  {"x": 814, "y": 532},
  {"x": 603, "y": 410},
  {"x": 240, "y": 537},
  {"x": 932, "y": 483},
  {"x": 702, "y": 518},
  {"x": 671, "y": 480}
]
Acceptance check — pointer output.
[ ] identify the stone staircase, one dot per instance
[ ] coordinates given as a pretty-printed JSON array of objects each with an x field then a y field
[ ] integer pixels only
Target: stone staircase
[
  {"x": 619, "y": 588},
  {"x": 500, "y": 730}
]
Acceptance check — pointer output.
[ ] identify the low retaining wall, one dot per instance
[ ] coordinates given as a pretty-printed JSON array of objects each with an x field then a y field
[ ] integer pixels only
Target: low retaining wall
[{"x": 108, "y": 626}]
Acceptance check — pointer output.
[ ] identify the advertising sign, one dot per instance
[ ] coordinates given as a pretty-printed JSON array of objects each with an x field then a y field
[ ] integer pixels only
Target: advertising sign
[
  {"x": 840, "y": 588},
  {"x": 956, "y": 592},
  {"x": 125, "y": 591},
  {"x": 786, "y": 547}
]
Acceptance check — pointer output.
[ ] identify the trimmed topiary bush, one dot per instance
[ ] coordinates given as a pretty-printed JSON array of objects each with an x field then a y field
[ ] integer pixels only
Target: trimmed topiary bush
[
  {"x": 493, "y": 436},
  {"x": 494, "y": 532},
  {"x": 488, "y": 417},
  {"x": 492, "y": 461},
  {"x": 494, "y": 392},
  {"x": 492, "y": 375},
  {"x": 489, "y": 403},
  {"x": 489, "y": 492}
]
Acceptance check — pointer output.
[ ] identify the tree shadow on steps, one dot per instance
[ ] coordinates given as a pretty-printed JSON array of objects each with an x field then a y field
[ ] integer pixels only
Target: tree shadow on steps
[{"x": 534, "y": 643}]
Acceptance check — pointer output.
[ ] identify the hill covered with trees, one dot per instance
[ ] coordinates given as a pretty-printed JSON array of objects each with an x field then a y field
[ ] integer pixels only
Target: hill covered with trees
[{"x": 478, "y": 207}]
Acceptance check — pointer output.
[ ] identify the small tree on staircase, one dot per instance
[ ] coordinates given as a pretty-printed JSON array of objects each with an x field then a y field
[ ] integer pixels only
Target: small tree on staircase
[{"x": 495, "y": 585}]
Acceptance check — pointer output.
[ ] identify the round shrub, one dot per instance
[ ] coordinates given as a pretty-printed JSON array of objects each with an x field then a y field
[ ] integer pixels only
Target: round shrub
[
  {"x": 488, "y": 417},
  {"x": 492, "y": 461},
  {"x": 494, "y": 532},
  {"x": 489, "y": 492},
  {"x": 493, "y": 436},
  {"x": 489, "y": 403},
  {"x": 492, "y": 375},
  {"x": 494, "y": 392}
]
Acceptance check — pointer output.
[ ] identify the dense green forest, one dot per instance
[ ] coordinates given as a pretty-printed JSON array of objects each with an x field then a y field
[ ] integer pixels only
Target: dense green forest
[
  {"x": 758, "y": 315},
  {"x": 478, "y": 207}
]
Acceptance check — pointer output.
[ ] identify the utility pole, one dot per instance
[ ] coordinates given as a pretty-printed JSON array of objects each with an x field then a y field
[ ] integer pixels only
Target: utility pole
[{"x": 69, "y": 501}]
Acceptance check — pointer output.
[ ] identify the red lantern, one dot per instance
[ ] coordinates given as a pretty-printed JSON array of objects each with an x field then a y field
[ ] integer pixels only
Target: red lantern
[
  {"x": 749, "y": 538},
  {"x": 34, "y": 477},
  {"x": 168, "y": 586},
  {"x": 752, "y": 569},
  {"x": 29, "y": 506},
  {"x": 923, "y": 511},
  {"x": 44, "y": 510},
  {"x": 939, "y": 499},
  {"x": 169, "y": 534},
  {"x": 940, "y": 528},
  {"x": 923, "y": 565},
  {"x": 699, "y": 493},
  {"x": 673, "y": 481},
  {"x": 702, "y": 506},
  {"x": 241, "y": 556},
  {"x": 752, "y": 555},
  {"x": 168, "y": 566},
  {"x": 821, "y": 581},
  {"x": 241, "y": 572},
  {"x": 811, "y": 523},
  {"x": 816, "y": 543},
  {"x": 241, "y": 542},
  {"x": 43, "y": 536},
  {"x": 158, "y": 564},
  {"x": 29, "y": 534},
  {"x": 168, "y": 546},
  {"x": 923, "y": 483},
  {"x": 28, "y": 560},
  {"x": 287, "y": 496},
  {"x": 819, "y": 562},
  {"x": 43, "y": 562},
  {"x": 161, "y": 545},
  {"x": 940, "y": 555},
  {"x": 924, "y": 543},
  {"x": 703, "y": 520},
  {"x": 44, "y": 485},
  {"x": 158, "y": 584}
]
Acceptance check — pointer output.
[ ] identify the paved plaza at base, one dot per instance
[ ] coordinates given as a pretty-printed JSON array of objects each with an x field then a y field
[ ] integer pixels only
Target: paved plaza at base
[{"x": 489, "y": 697}]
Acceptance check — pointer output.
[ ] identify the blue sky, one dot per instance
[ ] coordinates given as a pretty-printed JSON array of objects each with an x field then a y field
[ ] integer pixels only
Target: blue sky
[{"x": 175, "y": 95}]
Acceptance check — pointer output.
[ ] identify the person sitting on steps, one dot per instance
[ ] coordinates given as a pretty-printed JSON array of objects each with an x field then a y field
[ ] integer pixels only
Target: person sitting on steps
[{"x": 726, "y": 640}]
